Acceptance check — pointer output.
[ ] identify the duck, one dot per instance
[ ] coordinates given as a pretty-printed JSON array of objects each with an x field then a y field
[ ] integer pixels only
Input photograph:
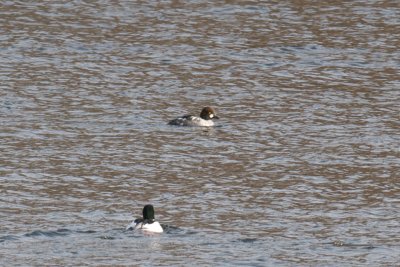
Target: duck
[
  {"x": 207, "y": 115},
  {"x": 147, "y": 223}
]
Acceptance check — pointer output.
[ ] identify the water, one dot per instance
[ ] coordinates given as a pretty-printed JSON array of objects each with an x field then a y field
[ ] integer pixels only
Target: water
[{"x": 303, "y": 169}]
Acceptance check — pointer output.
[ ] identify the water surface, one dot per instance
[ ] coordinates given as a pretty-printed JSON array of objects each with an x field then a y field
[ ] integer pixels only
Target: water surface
[{"x": 303, "y": 169}]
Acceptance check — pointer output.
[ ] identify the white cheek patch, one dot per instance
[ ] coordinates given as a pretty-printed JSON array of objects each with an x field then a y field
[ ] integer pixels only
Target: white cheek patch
[{"x": 211, "y": 116}]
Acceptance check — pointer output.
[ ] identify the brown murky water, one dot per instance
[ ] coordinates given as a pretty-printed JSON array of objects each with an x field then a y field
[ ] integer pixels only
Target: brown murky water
[{"x": 303, "y": 169}]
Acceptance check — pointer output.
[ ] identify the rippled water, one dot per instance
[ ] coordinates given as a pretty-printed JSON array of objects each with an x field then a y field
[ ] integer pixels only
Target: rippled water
[{"x": 303, "y": 169}]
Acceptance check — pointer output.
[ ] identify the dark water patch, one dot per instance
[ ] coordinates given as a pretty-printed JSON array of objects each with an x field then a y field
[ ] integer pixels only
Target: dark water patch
[
  {"x": 339, "y": 243},
  {"x": 8, "y": 238},
  {"x": 51, "y": 234},
  {"x": 59, "y": 232},
  {"x": 86, "y": 231},
  {"x": 169, "y": 229},
  {"x": 105, "y": 237}
]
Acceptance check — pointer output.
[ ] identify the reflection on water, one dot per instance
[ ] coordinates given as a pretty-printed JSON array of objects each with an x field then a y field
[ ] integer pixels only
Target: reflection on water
[{"x": 302, "y": 169}]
